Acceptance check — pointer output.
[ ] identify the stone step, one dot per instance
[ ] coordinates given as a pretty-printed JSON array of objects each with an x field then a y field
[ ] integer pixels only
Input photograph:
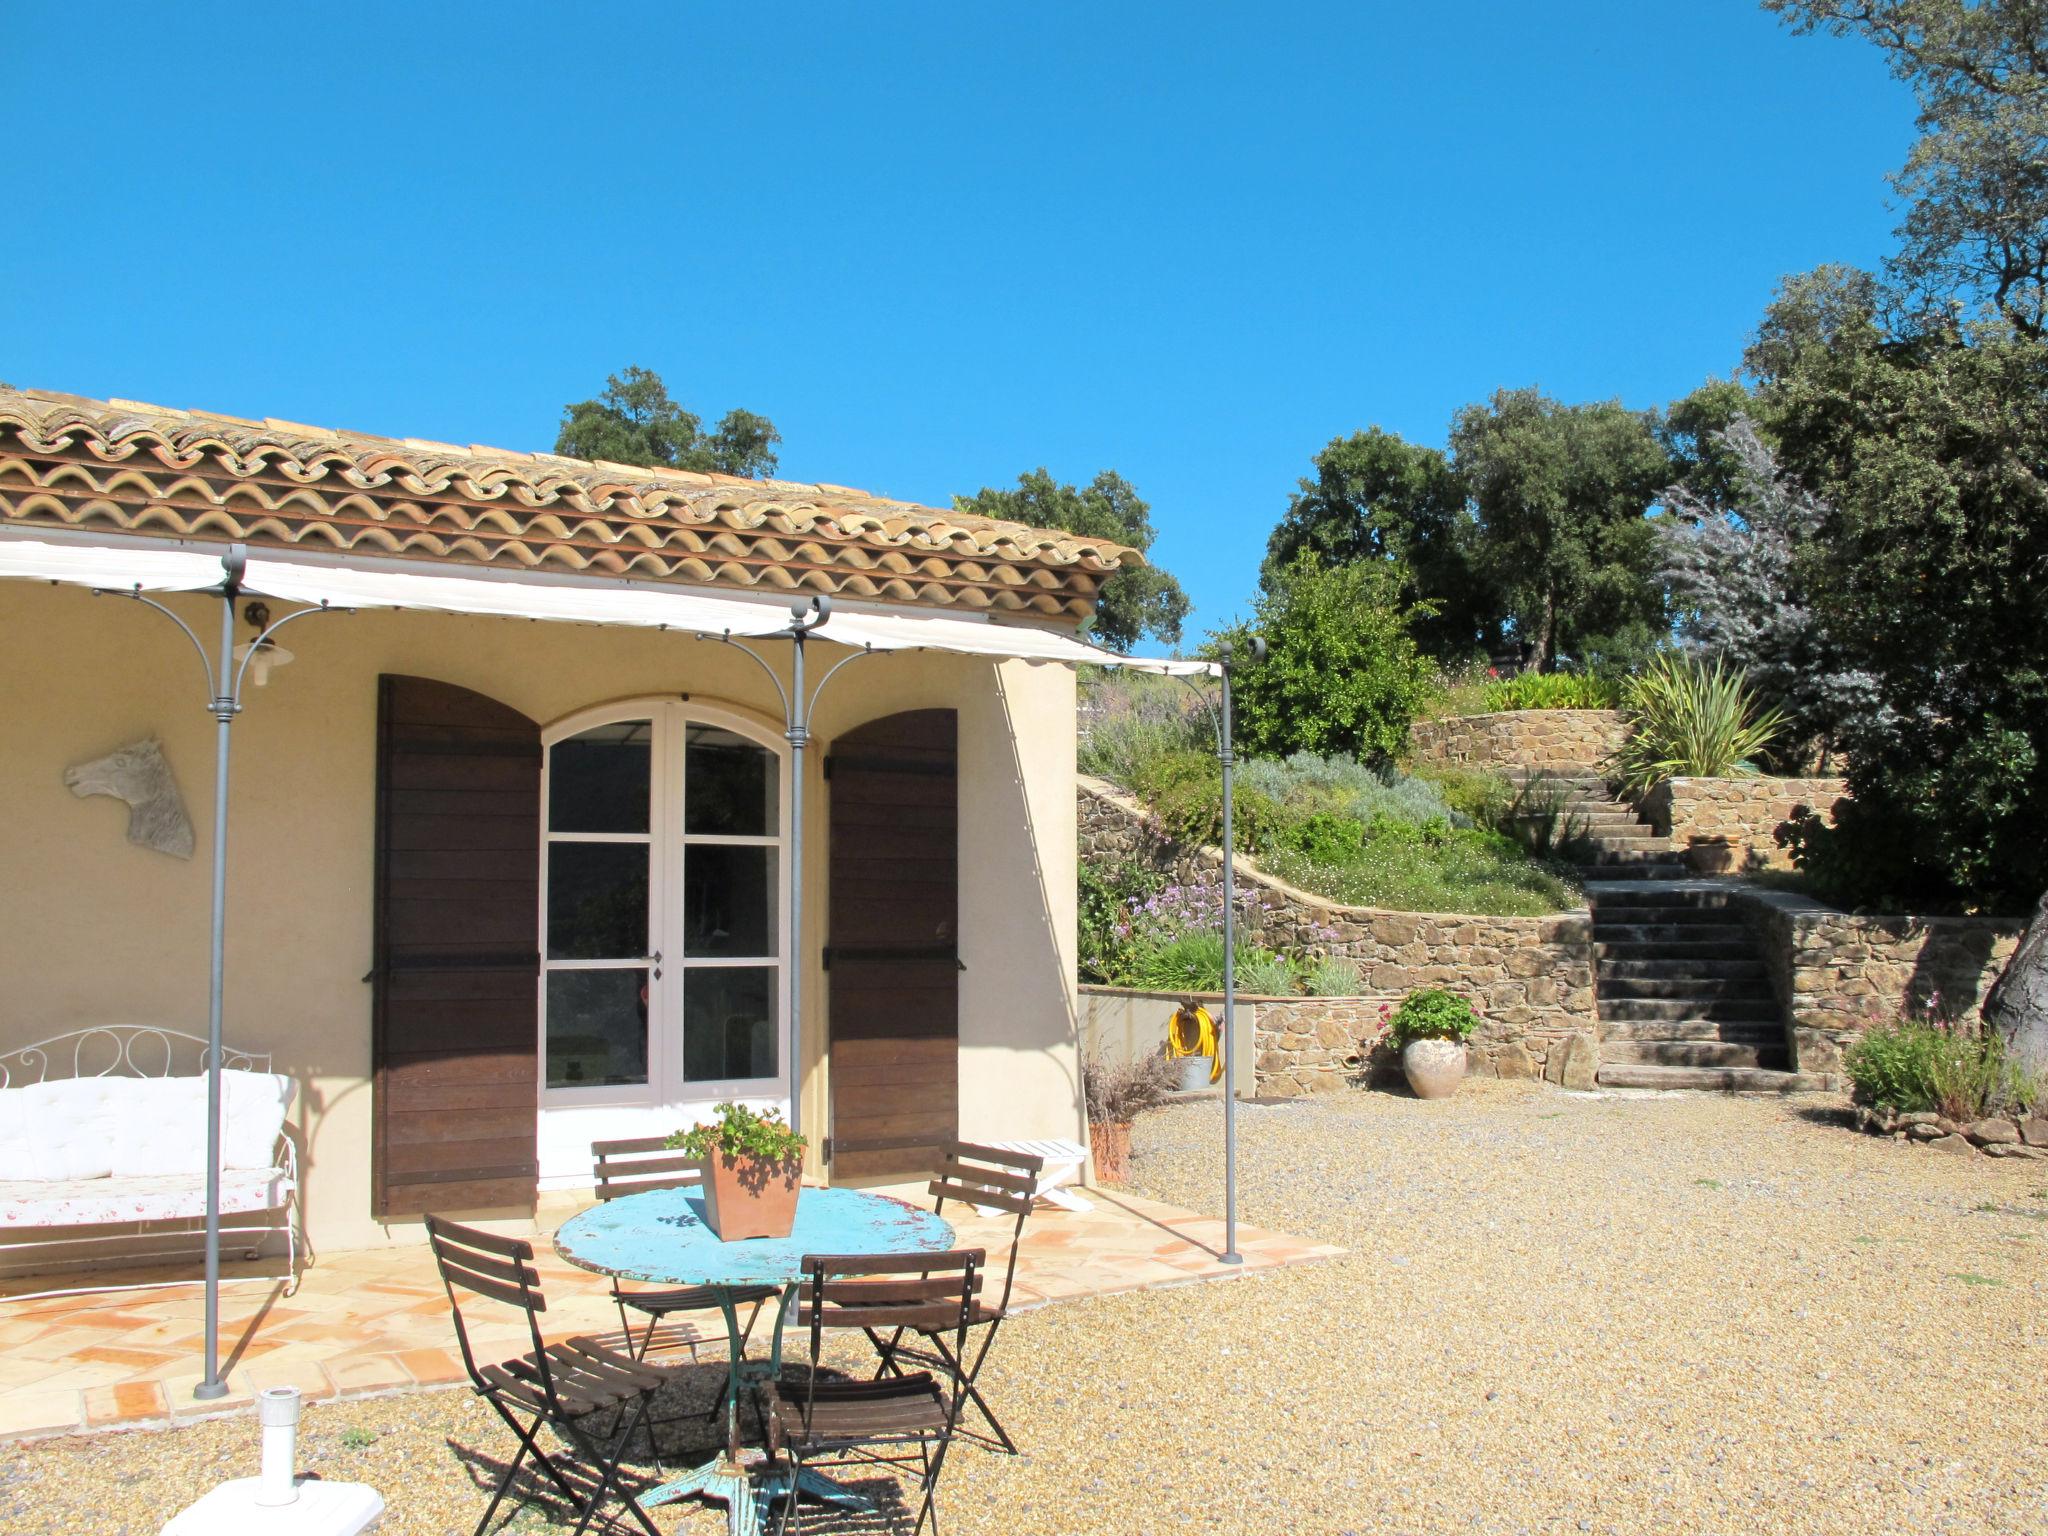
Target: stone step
[
  {"x": 1672, "y": 970},
  {"x": 1634, "y": 911},
  {"x": 1703, "y": 988},
  {"x": 1724, "y": 1079},
  {"x": 1733, "y": 1010},
  {"x": 1609, "y": 947},
  {"x": 1688, "y": 1053},
  {"x": 1691, "y": 1029},
  {"x": 1694, "y": 896},
  {"x": 1670, "y": 933},
  {"x": 1658, "y": 867}
]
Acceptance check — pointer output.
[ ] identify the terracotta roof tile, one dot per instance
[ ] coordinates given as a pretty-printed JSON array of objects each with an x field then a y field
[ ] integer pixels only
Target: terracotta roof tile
[{"x": 137, "y": 468}]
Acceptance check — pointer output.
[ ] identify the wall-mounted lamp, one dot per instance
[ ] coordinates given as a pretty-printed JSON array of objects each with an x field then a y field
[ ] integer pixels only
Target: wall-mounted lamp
[{"x": 262, "y": 656}]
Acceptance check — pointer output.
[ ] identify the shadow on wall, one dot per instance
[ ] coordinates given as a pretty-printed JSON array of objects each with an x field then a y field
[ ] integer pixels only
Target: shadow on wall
[{"x": 1017, "y": 822}]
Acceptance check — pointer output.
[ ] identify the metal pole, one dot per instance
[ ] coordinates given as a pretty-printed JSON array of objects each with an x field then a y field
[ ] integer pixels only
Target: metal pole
[
  {"x": 223, "y": 706},
  {"x": 1227, "y": 758},
  {"x": 799, "y": 733}
]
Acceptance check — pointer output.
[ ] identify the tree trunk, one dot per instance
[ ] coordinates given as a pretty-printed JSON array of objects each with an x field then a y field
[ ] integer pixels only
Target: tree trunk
[
  {"x": 1546, "y": 636},
  {"x": 2017, "y": 1004}
]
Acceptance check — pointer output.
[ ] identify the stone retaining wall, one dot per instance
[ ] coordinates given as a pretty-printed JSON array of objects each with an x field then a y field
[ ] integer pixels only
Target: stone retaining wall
[
  {"x": 1529, "y": 978},
  {"x": 1837, "y": 973},
  {"x": 1569, "y": 741},
  {"x": 1731, "y": 824},
  {"x": 1286, "y": 1046}
]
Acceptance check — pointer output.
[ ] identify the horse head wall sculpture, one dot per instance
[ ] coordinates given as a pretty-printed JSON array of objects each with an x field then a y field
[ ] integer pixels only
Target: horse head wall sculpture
[{"x": 139, "y": 774}]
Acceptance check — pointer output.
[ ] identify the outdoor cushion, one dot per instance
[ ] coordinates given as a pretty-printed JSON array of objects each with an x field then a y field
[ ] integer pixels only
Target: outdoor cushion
[
  {"x": 26, "y": 1203},
  {"x": 72, "y": 1124},
  {"x": 169, "y": 1136},
  {"x": 17, "y": 1147}
]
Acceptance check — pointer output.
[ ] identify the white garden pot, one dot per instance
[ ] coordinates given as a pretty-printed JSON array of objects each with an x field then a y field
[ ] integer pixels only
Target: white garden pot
[{"x": 1434, "y": 1068}]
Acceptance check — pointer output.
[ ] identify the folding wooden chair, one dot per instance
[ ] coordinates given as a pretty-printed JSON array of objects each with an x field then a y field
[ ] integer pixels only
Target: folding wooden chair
[
  {"x": 902, "y": 1421},
  {"x": 988, "y": 1178},
  {"x": 637, "y": 1166},
  {"x": 565, "y": 1386}
]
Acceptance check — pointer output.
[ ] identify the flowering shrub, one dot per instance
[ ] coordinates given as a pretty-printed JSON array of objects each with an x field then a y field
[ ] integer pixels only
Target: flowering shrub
[{"x": 1956, "y": 1068}]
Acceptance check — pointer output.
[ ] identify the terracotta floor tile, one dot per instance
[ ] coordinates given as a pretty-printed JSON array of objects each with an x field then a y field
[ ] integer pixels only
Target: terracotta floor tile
[
  {"x": 432, "y": 1367},
  {"x": 128, "y": 1402},
  {"x": 352, "y": 1374},
  {"x": 138, "y": 1359},
  {"x": 378, "y": 1321}
]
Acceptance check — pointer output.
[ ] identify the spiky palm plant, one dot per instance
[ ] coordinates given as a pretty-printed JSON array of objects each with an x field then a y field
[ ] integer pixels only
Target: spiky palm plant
[{"x": 1688, "y": 719}]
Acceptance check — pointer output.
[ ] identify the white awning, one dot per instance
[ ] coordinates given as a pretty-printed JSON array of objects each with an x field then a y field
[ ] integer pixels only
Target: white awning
[{"x": 345, "y": 582}]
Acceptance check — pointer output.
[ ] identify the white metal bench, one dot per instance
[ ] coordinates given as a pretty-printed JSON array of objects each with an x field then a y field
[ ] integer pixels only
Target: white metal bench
[
  {"x": 103, "y": 1150},
  {"x": 1064, "y": 1161}
]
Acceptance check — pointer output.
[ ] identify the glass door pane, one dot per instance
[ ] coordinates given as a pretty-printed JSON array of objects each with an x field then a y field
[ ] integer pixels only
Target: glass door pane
[
  {"x": 599, "y": 853},
  {"x": 729, "y": 1023}
]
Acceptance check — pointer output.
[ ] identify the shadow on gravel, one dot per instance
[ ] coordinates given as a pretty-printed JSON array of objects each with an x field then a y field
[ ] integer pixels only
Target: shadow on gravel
[{"x": 1840, "y": 1117}]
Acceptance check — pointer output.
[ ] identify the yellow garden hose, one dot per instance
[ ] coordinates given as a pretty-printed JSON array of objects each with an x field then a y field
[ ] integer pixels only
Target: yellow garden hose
[{"x": 1191, "y": 1032}]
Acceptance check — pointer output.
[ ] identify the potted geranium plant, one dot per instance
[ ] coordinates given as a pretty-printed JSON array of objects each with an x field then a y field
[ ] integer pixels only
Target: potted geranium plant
[
  {"x": 752, "y": 1165},
  {"x": 1115, "y": 1092},
  {"x": 1430, "y": 1029}
]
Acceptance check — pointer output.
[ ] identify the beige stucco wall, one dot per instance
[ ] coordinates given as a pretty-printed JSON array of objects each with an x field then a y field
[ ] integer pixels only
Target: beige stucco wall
[{"x": 95, "y": 930}]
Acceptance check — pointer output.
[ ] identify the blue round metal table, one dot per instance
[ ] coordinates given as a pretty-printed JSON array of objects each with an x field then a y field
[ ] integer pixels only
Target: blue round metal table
[{"x": 661, "y": 1238}]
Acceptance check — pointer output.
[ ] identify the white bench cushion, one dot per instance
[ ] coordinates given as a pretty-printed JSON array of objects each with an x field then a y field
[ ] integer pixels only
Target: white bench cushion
[
  {"x": 96, "y": 1127},
  {"x": 30, "y": 1203}
]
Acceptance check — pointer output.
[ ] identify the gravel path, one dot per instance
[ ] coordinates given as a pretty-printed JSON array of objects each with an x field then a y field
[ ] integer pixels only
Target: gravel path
[{"x": 1561, "y": 1313}]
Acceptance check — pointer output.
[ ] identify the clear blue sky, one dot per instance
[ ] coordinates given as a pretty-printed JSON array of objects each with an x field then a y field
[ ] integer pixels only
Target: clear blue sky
[{"x": 938, "y": 244}]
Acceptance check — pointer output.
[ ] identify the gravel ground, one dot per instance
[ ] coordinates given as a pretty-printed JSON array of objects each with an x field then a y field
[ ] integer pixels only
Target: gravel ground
[{"x": 1561, "y": 1313}]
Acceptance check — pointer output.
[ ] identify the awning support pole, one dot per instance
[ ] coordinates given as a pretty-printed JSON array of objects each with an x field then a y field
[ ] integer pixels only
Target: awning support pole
[
  {"x": 224, "y": 702},
  {"x": 799, "y": 703},
  {"x": 1226, "y": 758}
]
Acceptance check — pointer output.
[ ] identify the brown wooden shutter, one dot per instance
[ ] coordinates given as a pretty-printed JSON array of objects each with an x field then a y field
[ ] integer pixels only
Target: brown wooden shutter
[
  {"x": 457, "y": 952},
  {"x": 893, "y": 950}
]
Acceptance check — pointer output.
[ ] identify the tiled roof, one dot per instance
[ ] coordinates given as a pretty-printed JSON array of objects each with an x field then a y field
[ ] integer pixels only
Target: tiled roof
[{"x": 117, "y": 465}]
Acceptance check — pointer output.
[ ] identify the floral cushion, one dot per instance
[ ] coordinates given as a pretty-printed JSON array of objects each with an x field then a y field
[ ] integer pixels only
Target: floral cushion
[{"x": 28, "y": 1203}]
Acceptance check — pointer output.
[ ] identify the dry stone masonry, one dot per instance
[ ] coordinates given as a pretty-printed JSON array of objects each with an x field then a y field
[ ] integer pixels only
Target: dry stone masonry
[
  {"x": 1838, "y": 973},
  {"x": 1529, "y": 978},
  {"x": 1559, "y": 741},
  {"x": 1731, "y": 825},
  {"x": 2021, "y": 1135}
]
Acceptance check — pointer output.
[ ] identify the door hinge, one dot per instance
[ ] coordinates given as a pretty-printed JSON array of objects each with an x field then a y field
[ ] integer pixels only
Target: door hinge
[{"x": 825, "y": 1151}]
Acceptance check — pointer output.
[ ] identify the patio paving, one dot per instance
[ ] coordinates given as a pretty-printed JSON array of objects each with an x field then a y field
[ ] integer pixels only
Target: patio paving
[{"x": 374, "y": 1322}]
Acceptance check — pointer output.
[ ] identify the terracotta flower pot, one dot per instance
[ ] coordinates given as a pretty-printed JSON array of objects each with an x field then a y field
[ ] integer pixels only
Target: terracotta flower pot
[
  {"x": 749, "y": 1196},
  {"x": 1111, "y": 1145},
  {"x": 1434, "y": 1068}
]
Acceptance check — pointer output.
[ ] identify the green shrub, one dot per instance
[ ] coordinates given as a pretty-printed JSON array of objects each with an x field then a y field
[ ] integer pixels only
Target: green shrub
[
  {"x": 1334, "y": 976},
  {"x": 1432, "y": 1014},
  {"x": 1478, "y": 796},
  {"x": 1689, "y": 719},
  {"x": 1184, "y": 790},
  {"x": 1537, "y": 821},
  {"x": 1552, "y": 690},
  {"x": 1265, "y": 974},
  {"x": 1959, "y": 1070},
  {"x": 1341, "y": 673},
  {"x": 1130, "y": 719}
]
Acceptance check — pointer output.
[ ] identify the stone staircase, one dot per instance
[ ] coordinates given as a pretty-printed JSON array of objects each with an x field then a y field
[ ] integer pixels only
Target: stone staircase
[
  {"x": 1683, "y": 995},
  {"x": 1685, "y": 1000},
  {"x": 1618, "y": 845}
]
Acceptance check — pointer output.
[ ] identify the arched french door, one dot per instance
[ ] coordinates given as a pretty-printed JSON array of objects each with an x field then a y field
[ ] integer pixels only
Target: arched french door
[{"x": 664, "y": 918}]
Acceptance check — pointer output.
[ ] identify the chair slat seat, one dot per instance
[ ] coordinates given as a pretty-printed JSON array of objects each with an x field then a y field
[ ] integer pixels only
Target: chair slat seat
[
  {"x": 849, "y": 1412},
  {"x": 694, "y": 1298}
]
